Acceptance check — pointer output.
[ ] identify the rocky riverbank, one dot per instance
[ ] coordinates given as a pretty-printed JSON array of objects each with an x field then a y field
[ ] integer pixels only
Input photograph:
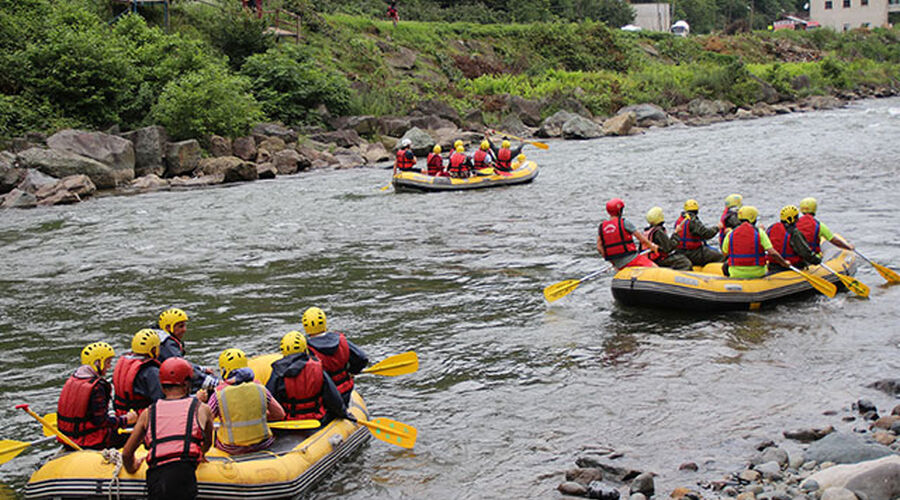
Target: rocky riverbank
[
  {"x": 853, "y": 454},
  {"x": 73, "y": 165}
]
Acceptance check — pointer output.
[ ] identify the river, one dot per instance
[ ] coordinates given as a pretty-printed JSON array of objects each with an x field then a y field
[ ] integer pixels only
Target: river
[{"x": 510, "y": 389}]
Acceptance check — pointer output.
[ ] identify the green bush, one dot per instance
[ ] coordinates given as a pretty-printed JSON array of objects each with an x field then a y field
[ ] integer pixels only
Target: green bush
[
  {"x": 205, "y": 102},
  {"x": 238, "y": 33}
]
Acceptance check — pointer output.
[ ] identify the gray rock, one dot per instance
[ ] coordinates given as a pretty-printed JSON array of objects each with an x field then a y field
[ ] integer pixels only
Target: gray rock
[
  {"x": 340, "y": 138},
  {"x": 349, "y": 159},
  {"x": 706, "y": 107},
  {"x": 527, "y": 110},
  {"x": 266, "y": 171},
  {"x": 115, "y": 152},
  {"x": 245, "y": 171},
  {"x": 440, "y": 109},
  {"x": 619, "y": 124},
  {"x": 808, "y": 435},
  {"x": 203, "y": 180},
  {"x": 822, "y": 102},
  {"x": 865, "y": 406},
  {"x": 796, "y": 460},
  {"x": 809, "y": 485},
  {"x": 845, "y": 449},
  {"x": 770, "y": 470},
  {"x": 393, "y": 126},
  {"x": 375, "y": 153},
  {"x": 219, "y": 165},
  {"x": 78, "y": 185},
  {"x": 149, "y": 182},
  {"x": 182, "y": 157},
  {"x": 637, "y": 496},
  {"x": 895, "y": 428},
  {"x": 473, "y": 119},
  {"x": 613, "y": 472},
  {"x": 244, "y": 148},
  {"x": 572, "y": 488},
  {"x": 149, "y": 150},
  {"x": 275, "y": 130},
  {"x": 18, "y": 199},
  {"x": 643, "y": 484},
  {"x": 421, "y": 141},
  {"x": 890, "y": 386},
  {"x": 10, "y": 175},
  {"x": 838, "y": 494},
  {"x": 363, "y": 125},
  {"x": 579, "y": 127},
  {"x": 553, "y": 124},
  {"x": 771, "y": 454},
  {"x": 878, "y": 483},
  {"x": 513, "y": 124},
  {"x": 61, "y": 164},
  {"x": 602, "y": 491},
  {"x": 431, "y": 122},
  {"x": 286, "y": 162},
  {"x": 401, "y": 58},
  {"x": 219, "y": 146},
  {"x": 749, "y": 475},
  {"x": 584, "y": 475},
  {"x": 271, "y": 144},
  {"x": 646, "y": 114}
]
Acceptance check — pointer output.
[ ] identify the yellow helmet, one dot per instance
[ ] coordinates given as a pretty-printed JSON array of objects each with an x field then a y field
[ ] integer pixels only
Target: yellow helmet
[
  {"x": 809, "y": 205},
  {"x": 292, "y": 343},
  {"x": 485, "y": 145},
  {"x": 789, "y": 214},
  {"x": 521, "y": 158},
  {"x": 655, "y": 216},
  {"x": 457, "y": 143},
  {"x": 97, "y": 351},
  {"x": 460, "y": 149},
  {"x": 691, "y": 206},
  {"x": 505, "y": 144},
  {"x": 145, "y": 341},
  {"x": 437, "y": 149},
  {"x": 734, "y": 201},
  {"x": 230, "y": 360},
  {"x": 169, "y": 317},
  {"x": 314, "y": 321},
  {"x": 748, "y": 213}
]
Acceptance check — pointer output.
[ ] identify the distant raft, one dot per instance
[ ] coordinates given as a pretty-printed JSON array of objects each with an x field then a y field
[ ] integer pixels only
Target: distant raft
[
  {"x": 414, "y": 181},
  {"x": 709, "y": 290}
]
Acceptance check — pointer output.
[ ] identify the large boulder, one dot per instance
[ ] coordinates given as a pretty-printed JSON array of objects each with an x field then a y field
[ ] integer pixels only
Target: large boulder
[
  {"x": 873, "y": 479},
  {"x": 844, "y": 448},
  {"x": 219, "y": 165},
  {"x": 363, "y": 125},
  {"x": 219, "y": 146},
  {"x": 579, "y": 127},
  {"x": 527, "y": 110},
  {"x": 276, "y": 130},
  {"x": 375, "y": 153},
  {"x": 439, "y": 109},
  {"x": 61, "y": 164},
  {"x": 553, "y": 124},
  {"x": 400, "y": 58},
  {"x": 706, "y": 107},
  {"x": 266, "y": 171},
  {"x": 272, "y": 145},
  {"x": 822, "y": 102},
  {"x": 286, "y": 162},
  {"x": 513, "y": 124},
  {"x": 71, "y": 189},
  {"x": 34, "y": 180},
  {"x": 430, "y": 122},
  {"x": 182, "y": 157},
  {"x": 10, "y": 175},
  {"x": 646, "y": 114},
  {"x": 245, "y": 171},
  {"x": 394, "y": 126},
  {"x": 115, "y": 152},
  {"x": 348, "y": 159},
  {"x": 421, "y": 141},
  {"x": 244, "y": 148},
  {"x": 340, "y": 138},
  {"x": 18, "y": 199},
  {"x": 149, "y": 150},
  {"x": 620, "y": 124}
]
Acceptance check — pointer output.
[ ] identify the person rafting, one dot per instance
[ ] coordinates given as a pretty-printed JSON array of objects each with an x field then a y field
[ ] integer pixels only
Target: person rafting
[
  {"x": 729, "y": 219},
  {"x": 748, "y": 248},
  {"x": 482, "y": 159},
  {"x": 435, "y": 162},
  {"x": 392, "y": 13},
  {"x": 615, "y": 239},
  {"x": 341, "y": 358},
  {"x": 504, "y": 155},
  {"x": 406, "y": 159},
  {"x": 301, "y": 384},
  {"x": 692, "y": 235},
  {"x": 790, "y": 242},
  {"x": 243, "y": 405},
  {"x": 176, "y": 431},
  {"x": 815, "y": 231},
  {"x": 172, "y": 329},
  {"x": 136, "y": 375},
  {"x": 459, "y": 164},
  {"x": 668, "y": 254},
  {"x": 83, "y": 406}
]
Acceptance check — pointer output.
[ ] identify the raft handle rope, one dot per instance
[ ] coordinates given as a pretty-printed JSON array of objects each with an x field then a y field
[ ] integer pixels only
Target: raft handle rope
[{"x": 112, "y": 456}]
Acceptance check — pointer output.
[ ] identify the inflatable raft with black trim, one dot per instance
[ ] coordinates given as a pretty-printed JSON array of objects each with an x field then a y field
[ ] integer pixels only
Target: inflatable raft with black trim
[
  {"x": 709, "y": 290},
  {"x": 414, "y": 181},
  {"x": 294, "y": 464}
]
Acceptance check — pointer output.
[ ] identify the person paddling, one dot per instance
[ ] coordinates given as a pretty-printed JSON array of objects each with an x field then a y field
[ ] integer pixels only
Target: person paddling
[
  {"x": 406, "y": 159},
  {"x": 729, "y": 219},
  {"x": 435, "y": 162},
  {"x": 692, "y": 235},
  {"x": 789, "y": 242},
  {"x": 136, "y": 376},
  {"x": 816, "y": 231},
  {"x": 668, "y": 254},
  {"x": 504, "y": 155},
  {"x": 748, "y": 247},
  {"x": 615, "y": 239},
  {"x": 341, "y": 358},
  {"x": 458, "y": 166}
]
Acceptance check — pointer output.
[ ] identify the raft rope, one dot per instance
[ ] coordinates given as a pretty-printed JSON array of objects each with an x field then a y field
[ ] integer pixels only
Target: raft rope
[{"x": 112, "y": 456}]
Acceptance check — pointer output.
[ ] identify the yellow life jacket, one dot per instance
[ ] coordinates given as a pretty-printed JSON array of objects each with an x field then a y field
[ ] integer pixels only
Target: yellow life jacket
[{"x": 242, "y": 409}]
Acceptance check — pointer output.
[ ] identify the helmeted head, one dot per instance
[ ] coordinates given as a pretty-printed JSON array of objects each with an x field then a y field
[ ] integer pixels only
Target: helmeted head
[
  {"x": 691, "y": 206},
  {"x": 748, "y": 213},
  {"x": 436, "y": 149},
  {"x": 175, "y": 371},
  {"x": 655, "y": 216},
  {"x": 485, "y": 145},
  {"x": 146, "y": 342},
  {"x": 789, "y": 214},
  {"x": 169, "y": 318},
  {"x": 292, "y": 343},
  {"x": 97, "y": 355},
  {"x": 314, "y": 321},
  {"x": 230, "y": 360},
  {"x": 457, "y": 143},
  {"x": 505, "y": 144},
  {"x": 521, "y": 158},
  {"x": 808, "y": 206},
  {"x": 734, "y": 201},
  {"x": 460, "y": 149},
  {"x": 615, "y": 206},
  {"x": 405, "y": 143}
]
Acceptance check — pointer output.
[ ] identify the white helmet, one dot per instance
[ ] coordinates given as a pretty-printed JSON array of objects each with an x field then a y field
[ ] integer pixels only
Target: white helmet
[{"x": 405, "y": 143}]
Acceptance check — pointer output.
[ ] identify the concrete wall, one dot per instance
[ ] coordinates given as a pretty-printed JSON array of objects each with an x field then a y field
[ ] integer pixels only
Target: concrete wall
[
  {"x": 655, "y": 16},
  {"x": 841, "y": 18}
]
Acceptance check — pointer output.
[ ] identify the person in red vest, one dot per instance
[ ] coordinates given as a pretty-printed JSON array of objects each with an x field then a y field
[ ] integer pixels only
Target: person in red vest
[
  {"x": 83, "y": 407},
  {"x": 341, "y": 358},
  {"x": 176, "y": 430},
  {"x": 392, "y": 13},
  {"x": 136, "y": 375},
  {"x": 729, "y": 219},
  {"x": 302, "y": 386},
  {"x": 748, "y": 248},
  {"x": 789, "y": 242},
  {"x": 692, "y": 235},
  {"x": 504, "y": 155},
  {"x": 459, "y": 163},
  {"x": 435, "y": 162},
  {"x": 816, "y": 231},
  {"x": 668, "y": 254},
  {"x": 615, "y": 239},
  {"x": 406, "y": 159},
  {"x": 482, "y": 158}
]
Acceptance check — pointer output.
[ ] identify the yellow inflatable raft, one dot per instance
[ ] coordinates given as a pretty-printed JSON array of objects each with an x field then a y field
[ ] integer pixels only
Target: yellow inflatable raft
[
  {"x": 709, "y": 290},
  {"x": 414, "y": 181},
  {"x": 295, "y": 462}
]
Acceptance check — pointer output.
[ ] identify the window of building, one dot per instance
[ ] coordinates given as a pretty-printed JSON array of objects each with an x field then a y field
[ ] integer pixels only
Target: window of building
[
  {"x": 846, "y": 4},
  {"x": 828, "y": 4},
  {"x": 846, "y": 26},
  {"x": 866, "y": 25},
  {"x": 864, "y": 2}
]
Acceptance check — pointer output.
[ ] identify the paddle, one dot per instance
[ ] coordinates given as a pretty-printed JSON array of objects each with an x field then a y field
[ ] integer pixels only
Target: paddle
[
  {"x": 10, "y": 449},
  {"x": 399, "y": 364},
  {"x": 391, "y": 431},
  {"x": 62, "y": 437},
  {"x": 852, "y": 284},
  {"x": 536, "y": 144},
  {"x": 818, "y": 283},
  {"x": 559, "y": 290},
  {"x": 295, "y": 425},
  {"x": 51, "y": 419},
  {"x": 887, "y": 273}
]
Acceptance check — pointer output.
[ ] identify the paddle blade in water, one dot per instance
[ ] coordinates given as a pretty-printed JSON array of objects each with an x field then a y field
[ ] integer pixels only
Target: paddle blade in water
[
  {"x": 887, "y": 273},
  {"x": 391, "y": 431},
  {"x": 10, "y": 449},
  {"x": 540, "y": 145},
  {"x": 826, "y": 288},
  {"x": 559, "y": 290},
  {"x": 401, "y": 364},
  {"x": 855, "y": 286}
]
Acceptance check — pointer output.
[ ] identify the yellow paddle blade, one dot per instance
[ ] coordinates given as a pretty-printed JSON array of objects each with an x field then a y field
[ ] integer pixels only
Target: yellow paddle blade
[
  {"x": 559, "y": 290},
  {"x": 886, "y": 273},
  {"x": 537, "y": 144},
  {"x": 295, "y": 425},
  {"x": 10, "y": 449},
  {"x": 391, "y": 431},
  {"x": 387, "y": 187},
  {"x": 818, "y": 283},
  {"x": 50, "y": 418},
  {"x": 854, "y": 285},
  {"x": 400, "y": 364}
]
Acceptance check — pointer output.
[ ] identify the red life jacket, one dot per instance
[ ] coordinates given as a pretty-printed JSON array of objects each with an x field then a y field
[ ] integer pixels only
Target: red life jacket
[
  {"x": 478, "y": 159},
  {"x": 173, "y": 432},
  {"x": 126, "y": 370},
  {"x": 336, "y": 365},
  {"x": 649, "y": 233},
  {"x": 686, "y": 239},
  {"x": 744, "y": 248},
  {"x": 435, "y": 164},
  {"x": 303, "y": 393},
  {"x": 504, "y": 159},
  {"x": 391, "y": 12},
  {"x": 458, "y": 167},
  {"x": 74, "y": 411},
  {"x": 614, "y": 239},
  {"x": 809, "y": 226},
  {"x": 722, "y": 232},
  {"x": 404, "y": 163},
  {"x": 781, "y": 241}
]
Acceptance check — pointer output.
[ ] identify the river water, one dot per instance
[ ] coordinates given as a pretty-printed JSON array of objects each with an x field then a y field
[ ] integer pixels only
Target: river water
[{"x": 511, "y": 389}]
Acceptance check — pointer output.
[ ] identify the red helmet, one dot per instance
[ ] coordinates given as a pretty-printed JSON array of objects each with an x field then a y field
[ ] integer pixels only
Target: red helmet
[
  {"x": 615, "y": 206},
  {"x": 174, "y": 371}
]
